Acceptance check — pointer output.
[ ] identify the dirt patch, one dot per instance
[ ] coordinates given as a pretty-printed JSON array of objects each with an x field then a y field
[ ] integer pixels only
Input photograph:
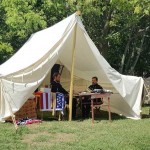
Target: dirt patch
[
  {"x": 49, "y": 138},
  {"x": 64, "y": 137},
  {"x": 28, "y": 138},
  {"x": 34, "y": 126}
]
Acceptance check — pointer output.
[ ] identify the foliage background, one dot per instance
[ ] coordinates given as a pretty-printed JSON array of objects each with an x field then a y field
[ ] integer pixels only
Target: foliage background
[{"x": 119, "y": 28}]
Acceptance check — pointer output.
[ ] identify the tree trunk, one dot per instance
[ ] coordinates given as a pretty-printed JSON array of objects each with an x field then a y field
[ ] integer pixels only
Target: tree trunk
[
  {"x": 105, "y": 31},
  {"x": 139, "y": 52}
]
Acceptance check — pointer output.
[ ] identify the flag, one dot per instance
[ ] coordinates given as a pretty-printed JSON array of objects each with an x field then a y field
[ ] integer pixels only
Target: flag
[
  {"x": 60, "y": 101},
  {"x": 45, "y": 102}
]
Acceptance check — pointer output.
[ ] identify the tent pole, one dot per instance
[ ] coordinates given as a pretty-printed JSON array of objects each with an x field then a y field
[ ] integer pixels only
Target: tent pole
[{"x": 72, "y": 74}]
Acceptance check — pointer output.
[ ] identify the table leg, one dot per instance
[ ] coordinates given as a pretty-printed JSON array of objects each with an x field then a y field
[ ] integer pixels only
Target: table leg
[
  {"x": 37, "y": 105},
  {"x": 59, "y": 116},
  {"x": 109, "y": 111},
  {"x": 80, "y": 99},
  {"x": 42, "y": 116},
  {"x": 92, "y": 108}
]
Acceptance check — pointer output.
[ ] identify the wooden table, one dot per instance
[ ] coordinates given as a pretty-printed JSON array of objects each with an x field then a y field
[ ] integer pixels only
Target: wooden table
[{"x": 104, "y": 96}]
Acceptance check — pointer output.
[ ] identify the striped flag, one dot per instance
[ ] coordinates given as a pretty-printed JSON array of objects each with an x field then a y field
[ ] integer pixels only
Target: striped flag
[{"x": 45, "y": 102}]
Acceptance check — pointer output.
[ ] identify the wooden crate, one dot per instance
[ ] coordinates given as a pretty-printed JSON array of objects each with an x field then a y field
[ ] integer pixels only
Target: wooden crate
[{"x": 27, "y": 110}]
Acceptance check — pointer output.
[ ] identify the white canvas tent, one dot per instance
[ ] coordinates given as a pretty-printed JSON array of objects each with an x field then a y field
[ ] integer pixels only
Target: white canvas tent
[{"x": 25, "y": 71}]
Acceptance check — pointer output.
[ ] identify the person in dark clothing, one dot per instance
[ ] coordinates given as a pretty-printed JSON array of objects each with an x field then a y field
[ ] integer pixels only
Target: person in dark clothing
[
  {"x": 86, "y": 108},
  {"x": 95, "y": 84},
  {"x": 57, "y": 87}
]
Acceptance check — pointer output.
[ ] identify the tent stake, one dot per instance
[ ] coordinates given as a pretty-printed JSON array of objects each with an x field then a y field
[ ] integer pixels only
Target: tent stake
[
  {"x": 13, "y": 117},
  {"x": 14, "y": 122}
]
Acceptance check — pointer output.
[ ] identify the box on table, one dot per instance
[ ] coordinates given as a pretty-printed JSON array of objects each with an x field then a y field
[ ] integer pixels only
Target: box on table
[{"x": 45, "y": 90}]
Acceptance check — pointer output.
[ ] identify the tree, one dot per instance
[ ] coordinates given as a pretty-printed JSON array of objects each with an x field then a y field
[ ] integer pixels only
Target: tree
[
  {"x": 119, "y": 28},
  {"x": 19, "y": 20}
]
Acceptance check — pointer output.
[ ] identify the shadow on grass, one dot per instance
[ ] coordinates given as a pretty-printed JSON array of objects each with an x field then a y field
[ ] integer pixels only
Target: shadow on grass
[
  {"x": 146, "y": 105},
  {"x": 103, "y": 115},
  {"x": 145, "y": 111},
  {"x": 98, "y": 116},
  {"x": 145, "y": 116}
]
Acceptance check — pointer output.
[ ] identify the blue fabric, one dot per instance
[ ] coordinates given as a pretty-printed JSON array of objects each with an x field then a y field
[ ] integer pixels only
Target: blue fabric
[{"x": 60, "y": 101}]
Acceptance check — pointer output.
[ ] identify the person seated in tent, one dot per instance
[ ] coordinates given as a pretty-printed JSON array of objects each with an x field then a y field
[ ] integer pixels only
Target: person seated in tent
[
  {"x": 86, "y": 99},
  {"x": 57, "y": 87}
]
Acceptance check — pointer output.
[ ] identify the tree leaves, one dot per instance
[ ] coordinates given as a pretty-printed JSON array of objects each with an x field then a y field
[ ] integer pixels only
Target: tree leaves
[
  {"x": 5, "y": 51},
  {"x": 137, "y": 9},
  {"x": 119, "y": 28}
]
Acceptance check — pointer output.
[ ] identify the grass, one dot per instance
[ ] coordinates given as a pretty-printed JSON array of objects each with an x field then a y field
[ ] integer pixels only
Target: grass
[{"x": 120, "y": 134}]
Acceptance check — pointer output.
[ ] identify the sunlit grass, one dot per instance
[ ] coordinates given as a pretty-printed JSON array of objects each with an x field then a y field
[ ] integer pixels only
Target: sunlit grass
[{"x": 120, "y": 134}]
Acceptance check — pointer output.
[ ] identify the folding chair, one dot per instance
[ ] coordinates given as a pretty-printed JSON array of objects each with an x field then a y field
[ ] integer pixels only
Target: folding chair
[
  {"x": 45, "y": 102},
  {"x": 58, "y": 103},
  {"x": 50, "y": 102}
]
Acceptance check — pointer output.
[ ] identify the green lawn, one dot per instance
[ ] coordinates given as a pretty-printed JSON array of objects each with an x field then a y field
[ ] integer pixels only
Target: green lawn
[{"x": 120, "y": 134}]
